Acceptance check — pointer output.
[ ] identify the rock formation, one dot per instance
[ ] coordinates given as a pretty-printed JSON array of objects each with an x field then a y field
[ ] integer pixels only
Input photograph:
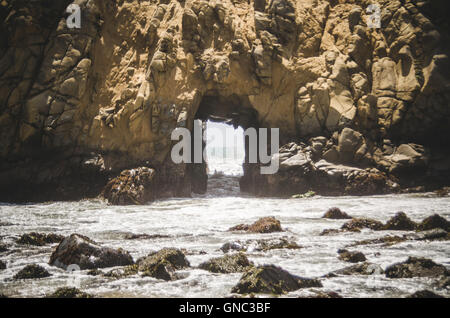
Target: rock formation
[{"x": 365, "y": 109}]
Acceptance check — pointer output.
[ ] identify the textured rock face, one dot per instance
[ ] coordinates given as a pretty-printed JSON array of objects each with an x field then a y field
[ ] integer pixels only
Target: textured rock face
[{"x": 78, "y": 106}]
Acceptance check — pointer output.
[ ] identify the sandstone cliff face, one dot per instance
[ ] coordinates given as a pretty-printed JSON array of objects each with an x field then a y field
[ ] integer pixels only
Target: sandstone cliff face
[{"x": 77, "y": 106}]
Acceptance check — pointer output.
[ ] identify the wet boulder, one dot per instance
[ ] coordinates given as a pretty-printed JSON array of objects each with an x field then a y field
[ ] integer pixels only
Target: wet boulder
[
  {"x": 69, "y": 292},
  {"x": 424, "y": 294},
  {"x": 163, "y": 264},
  {"x": 434, "y": 221},
  {"x": 234, "y": 263},
  {"x": 351, "y": 256},
  {"x": 358, "y": 269},
  {"x": 400, "y": 222},
  {"x": 356, "y": 224},
  {"x": 263, "y": 225},
  {"x": 233, "y": 246},
  {"x": 39, "y": 239},
  {"x": 336, "y": 213},
  {"x": 416, "y": 267},
  {"x": 87, "y": 254},
  {"x": 31, "y": 272},
  {"x": 270, "y": 279},
  {"x": 131, "y": 187},
  {"x": 2, "y": 265}
]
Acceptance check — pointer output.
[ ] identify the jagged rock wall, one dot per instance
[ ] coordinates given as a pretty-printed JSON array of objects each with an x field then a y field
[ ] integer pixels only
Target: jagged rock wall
[{"x": 93, "y": 101}]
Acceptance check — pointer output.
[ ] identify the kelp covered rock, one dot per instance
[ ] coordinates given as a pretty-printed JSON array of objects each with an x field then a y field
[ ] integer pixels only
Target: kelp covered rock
[
  {"x": 39, "y": 239},
  {"x": 163, "y": 264},
  {"x": 434, "y": 222},
  {"x": 416, "y": 267},
  {"x": 263, "y": 225},
  {"x": 424, "y": 294},
  {"x": 336, "y": 213},
  {"x": 351, "y": 256},
  {"x": 87, "y": 254},
  {"x": 263, "y": 245},
  {"x": 270, "y": 279},
  {"x": 31, "y": 272},
  {"x": 234, "y": 263},
  {"x": 69, "y": 292},
  {"x": 365, "y": 268},
  {"x": 356, "y": 224},
  {"x": 400, "y": 222}
]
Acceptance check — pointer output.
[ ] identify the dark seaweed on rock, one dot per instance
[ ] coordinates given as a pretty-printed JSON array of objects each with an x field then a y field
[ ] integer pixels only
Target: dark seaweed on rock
[
  {"x": 163, "y": 264},
  {"x": 434, "y": 221},
  {"x": 336, "y": 213},
  {"x": 234, "y": 263},
  {"x": 39, "y": 239},
  {"x": 263, "y": 225},
  {"x": 416, "y": 267},
  {"x": 69, "y": 292},
  {"x": 270, "y": 279},
  {"x": 31, "y": 272},
  {"x": 400, "y": 222}
]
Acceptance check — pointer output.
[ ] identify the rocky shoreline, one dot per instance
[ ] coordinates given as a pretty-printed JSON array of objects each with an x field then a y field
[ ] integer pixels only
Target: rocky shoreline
[{"x": 166, "y": 263}]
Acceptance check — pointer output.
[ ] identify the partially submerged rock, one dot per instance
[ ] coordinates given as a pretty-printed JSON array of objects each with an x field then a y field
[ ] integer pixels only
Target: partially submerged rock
[
  {"x": 121, "y": 272},
  {"x": 351, "y": 256},
  {"x": 69, "y": 292},
  {"x": 2, "y": 265},
  {"x": 263, "y": 245},
  {"x": 39, "y": 239},
  {"x": 132, "y": 236},
  {"x": 387, "y": 240},
  {"x": 424, "y": 294},
  {"x": 356, "y": 224},
  {"x": 358, "y": 269},
  {"x": 330, "y": 232},
  {"x": 416, "y": 267},
  {"x": 87, "y": 254},
  {"x": 163, "y": 264},
  {"x": 336, "y": 213},
  {"x": 263, "y": 225},
  {"x": 431, "y": 235},
  {"x": 234, "y": 263},
  {"x": 32, "y": 271},
  {"x": 270, "y": 279},
  {"x": 320, "y": 294},
  {"x": 400, "y": 222},
  {"x": 434, "y": 221}
]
